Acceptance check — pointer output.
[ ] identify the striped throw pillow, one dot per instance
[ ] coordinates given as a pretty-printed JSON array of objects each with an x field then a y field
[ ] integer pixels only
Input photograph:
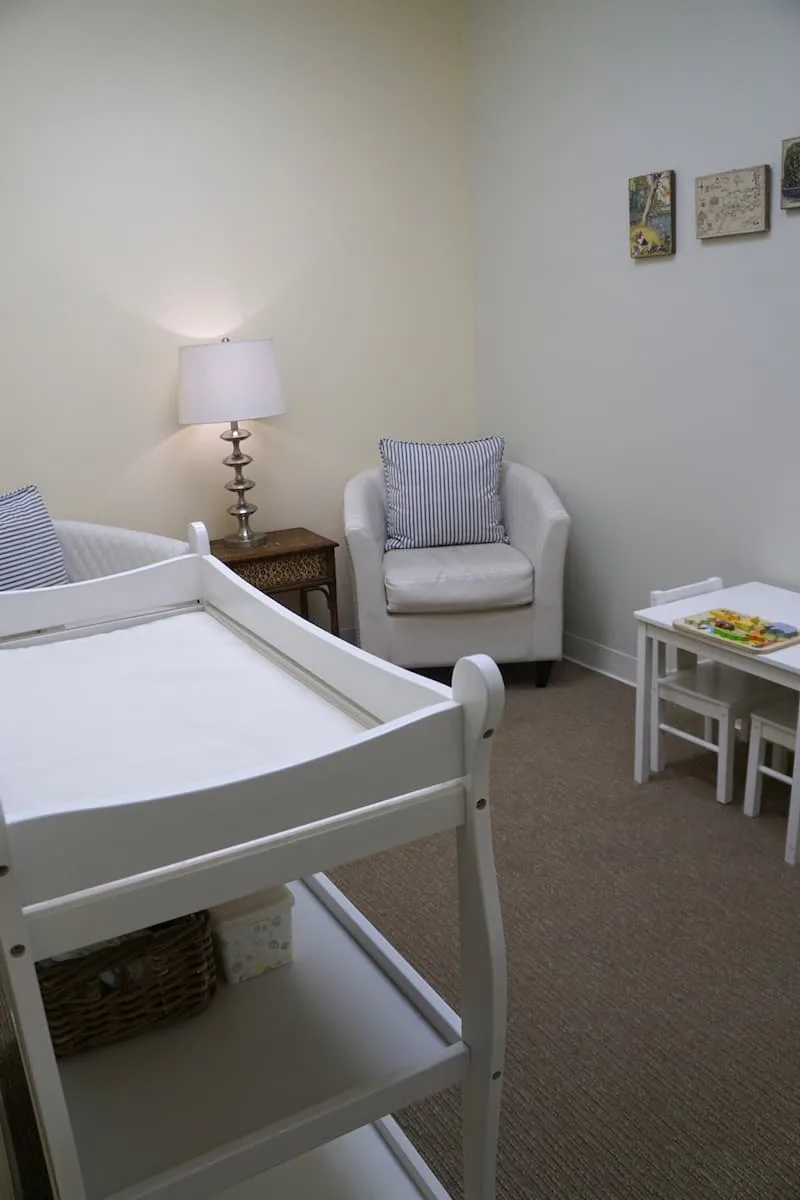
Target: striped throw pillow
[
  {"x": 442, "y": 493},
  {"x": 30, "y": 552}
]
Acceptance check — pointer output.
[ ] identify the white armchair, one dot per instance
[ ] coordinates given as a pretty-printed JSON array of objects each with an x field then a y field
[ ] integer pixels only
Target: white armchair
[
  {"x": 91, "y": 551},
  {"x": 427, "y": 608}
]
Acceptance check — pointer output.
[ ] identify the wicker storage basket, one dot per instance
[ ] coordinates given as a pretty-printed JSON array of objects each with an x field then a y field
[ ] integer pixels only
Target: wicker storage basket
[{"x": 118, "y": 991}]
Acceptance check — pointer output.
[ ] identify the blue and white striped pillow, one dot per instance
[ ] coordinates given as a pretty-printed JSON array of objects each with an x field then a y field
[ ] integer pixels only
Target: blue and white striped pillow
[
  {"x": 30, "y": 552},
  {"x": 442, "y": 493}
]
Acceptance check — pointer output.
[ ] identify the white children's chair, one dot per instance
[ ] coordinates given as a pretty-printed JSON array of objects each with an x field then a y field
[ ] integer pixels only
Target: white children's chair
[
  {"x": 716, "y": 693},
  {"x": 773, "y": 730}
]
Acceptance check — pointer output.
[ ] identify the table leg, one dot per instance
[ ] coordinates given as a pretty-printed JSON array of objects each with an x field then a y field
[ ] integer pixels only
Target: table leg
[
  {"x": 793, "y": 830},
  {"x": 329, "y": 592},
  {"x": 333, "y": 608},
  {"x": 644, "y": 700},
  {"x": 656, "y": 738}
]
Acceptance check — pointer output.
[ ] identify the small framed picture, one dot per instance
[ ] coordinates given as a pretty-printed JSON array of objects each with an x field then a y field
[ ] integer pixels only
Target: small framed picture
[
  {"x": 790, "y": 173},
  {"x": 651, "y": 214},
  {"x": 732, "y": 203}
]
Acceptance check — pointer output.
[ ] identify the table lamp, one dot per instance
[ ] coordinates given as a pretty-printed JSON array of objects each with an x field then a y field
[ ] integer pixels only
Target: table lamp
[{"x": 233, "y": 382}]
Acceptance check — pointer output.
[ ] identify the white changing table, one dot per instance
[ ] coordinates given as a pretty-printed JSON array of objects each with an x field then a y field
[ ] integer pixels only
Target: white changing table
[{"x": 125, "y": 800}]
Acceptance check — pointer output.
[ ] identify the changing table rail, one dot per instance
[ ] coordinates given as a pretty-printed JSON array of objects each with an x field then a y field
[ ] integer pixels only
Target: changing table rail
[
  {"x": 395, "y": 759},
  {"x": 122, "y": 906}
]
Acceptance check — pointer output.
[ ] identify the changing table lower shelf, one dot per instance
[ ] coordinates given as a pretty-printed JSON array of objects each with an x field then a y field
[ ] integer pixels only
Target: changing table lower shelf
[
  {"x": 277, "y": 1066},
  {"x": 361, "y": 1166}
]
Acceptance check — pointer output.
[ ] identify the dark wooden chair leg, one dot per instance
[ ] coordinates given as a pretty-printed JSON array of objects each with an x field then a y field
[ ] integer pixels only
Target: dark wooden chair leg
[{"x": 541, "y": 672}]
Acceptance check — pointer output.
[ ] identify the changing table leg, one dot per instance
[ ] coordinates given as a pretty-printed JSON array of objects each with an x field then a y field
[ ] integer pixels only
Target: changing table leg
[
  {"x": 36, "y": 1047},
  {"x": 478, "y": 685}
]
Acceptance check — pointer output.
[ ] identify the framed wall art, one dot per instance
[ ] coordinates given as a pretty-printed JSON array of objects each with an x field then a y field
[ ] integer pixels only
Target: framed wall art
[
  {"x": 790, "y": 173},
  {"x": 732, "y": 202},
  {"x": 651, "y": 214}
]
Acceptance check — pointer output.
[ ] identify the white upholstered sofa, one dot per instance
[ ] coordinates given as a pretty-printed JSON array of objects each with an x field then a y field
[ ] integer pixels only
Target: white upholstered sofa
[
  {"x": 427, "y": 608},
  {"x": 91, "y": 551}
]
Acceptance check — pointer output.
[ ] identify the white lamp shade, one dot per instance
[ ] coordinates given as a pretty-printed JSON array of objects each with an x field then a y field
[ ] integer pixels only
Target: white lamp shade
[{"x": 228, "y": 381}]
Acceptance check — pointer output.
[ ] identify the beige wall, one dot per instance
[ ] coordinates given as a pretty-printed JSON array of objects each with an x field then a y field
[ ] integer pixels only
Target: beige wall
[
  {"x": 187, "y": 169},
  {"x": 661, "y": 397}
]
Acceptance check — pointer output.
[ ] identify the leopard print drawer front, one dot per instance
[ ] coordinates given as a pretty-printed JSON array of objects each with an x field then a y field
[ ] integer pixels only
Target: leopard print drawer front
[{"x": 295, "y": 570}]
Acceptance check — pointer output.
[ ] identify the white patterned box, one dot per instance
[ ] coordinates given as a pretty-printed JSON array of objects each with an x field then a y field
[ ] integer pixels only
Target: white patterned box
[{"x": 254, "y": 934}]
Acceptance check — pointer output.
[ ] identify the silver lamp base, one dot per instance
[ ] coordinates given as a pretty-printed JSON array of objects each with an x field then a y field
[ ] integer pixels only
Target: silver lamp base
[{"x": 244, "y": 536}]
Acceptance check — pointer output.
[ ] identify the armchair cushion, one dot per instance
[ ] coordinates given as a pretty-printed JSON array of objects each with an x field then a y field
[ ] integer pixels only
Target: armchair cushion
[
  {"x": 442, "y": 493},
  {"x": 457, "y": 579},
  {"x": 30, "y": 553}
]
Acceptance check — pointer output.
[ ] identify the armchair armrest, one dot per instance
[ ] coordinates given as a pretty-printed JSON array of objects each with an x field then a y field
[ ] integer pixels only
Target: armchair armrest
[
  {"x": 91, "y": 551},
  {"x": 365, "y": 532},
  {"x": 538, "y": 525}
]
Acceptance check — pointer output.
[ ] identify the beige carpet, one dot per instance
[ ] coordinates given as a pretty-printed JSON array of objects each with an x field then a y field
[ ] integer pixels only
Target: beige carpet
[{"x": 654, "y": 958}]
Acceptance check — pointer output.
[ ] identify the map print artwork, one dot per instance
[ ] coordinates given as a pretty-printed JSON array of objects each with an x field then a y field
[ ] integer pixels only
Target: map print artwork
[{"x": 732, "y": 202}]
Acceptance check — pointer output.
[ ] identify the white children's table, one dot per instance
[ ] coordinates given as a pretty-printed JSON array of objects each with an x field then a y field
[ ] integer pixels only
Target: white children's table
[{"x": 779, "y": 666}]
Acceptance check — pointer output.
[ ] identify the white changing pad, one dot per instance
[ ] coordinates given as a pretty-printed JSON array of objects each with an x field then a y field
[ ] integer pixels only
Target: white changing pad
[{"x": 174, "y": 705}]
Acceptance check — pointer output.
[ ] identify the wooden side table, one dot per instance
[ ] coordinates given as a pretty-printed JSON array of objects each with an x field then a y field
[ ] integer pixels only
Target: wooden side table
[{"x": 290, "y": 560}]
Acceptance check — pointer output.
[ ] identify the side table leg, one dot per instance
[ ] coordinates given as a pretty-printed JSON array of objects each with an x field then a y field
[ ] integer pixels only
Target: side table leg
[
  {"x": 333, "y": 608},
  {"x": 644, "y": 700}
]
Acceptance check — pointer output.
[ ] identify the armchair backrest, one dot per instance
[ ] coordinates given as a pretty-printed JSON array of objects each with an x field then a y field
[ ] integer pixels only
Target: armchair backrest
[
  {"x": 365, "y": 506},
  {"x": 91, "y": 551}
]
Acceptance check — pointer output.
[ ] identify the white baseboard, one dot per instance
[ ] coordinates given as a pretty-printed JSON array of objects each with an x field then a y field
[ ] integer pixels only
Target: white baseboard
[
  {"x": 613, "y": 663},
  {"x": 603, "y": 659}
]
